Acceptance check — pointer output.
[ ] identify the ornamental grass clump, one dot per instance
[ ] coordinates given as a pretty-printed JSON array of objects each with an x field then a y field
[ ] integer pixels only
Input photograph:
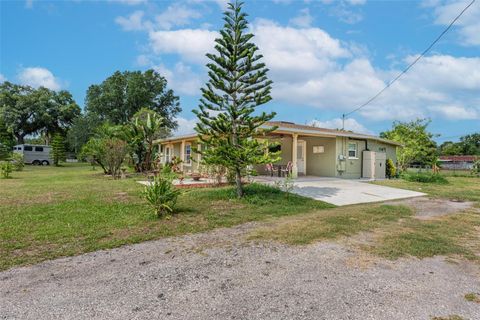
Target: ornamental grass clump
[
  {"x": 162, "y": 195},
  {"x": 17, "y": 161},
  {"x": 424, "y": 177},
  {"x": 6, "y": 168}
]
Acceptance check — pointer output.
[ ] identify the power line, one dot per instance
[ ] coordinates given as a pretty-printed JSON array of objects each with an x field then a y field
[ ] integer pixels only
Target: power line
[{"x": 409, "y": 66}]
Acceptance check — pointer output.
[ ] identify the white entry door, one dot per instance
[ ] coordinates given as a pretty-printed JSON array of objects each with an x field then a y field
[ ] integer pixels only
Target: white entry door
[{"x": 301, "y": 156}]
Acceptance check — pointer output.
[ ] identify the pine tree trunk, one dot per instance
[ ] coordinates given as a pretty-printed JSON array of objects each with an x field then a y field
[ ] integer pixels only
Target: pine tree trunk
[{"x": 238, "y": 180}]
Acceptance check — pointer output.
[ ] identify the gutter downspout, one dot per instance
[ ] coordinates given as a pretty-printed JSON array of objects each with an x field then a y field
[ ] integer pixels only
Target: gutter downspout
[{"x": 361, "y": 158}]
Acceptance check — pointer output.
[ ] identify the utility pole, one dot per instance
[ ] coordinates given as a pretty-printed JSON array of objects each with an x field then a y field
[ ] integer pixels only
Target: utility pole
[{"x": 343, "y": 122}]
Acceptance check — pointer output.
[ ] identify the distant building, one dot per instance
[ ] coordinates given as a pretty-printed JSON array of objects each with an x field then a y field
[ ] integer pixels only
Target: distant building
[{"x": 458, "y": 162}]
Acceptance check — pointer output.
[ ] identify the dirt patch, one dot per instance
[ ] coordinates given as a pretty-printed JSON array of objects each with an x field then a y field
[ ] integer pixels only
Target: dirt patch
[{"x": 426, "y": 208}]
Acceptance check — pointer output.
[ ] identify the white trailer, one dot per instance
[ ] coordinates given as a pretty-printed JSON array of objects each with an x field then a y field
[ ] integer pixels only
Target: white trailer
[{"x": 34, "y": 154}]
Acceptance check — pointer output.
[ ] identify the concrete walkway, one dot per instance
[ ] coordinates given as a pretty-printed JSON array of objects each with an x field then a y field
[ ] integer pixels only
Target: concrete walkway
[{"x": 343, "y": 192}]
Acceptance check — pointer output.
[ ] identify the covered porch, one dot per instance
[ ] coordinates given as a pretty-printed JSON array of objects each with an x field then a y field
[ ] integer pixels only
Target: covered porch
[
  {"x": 309, "y": 154},
  {"x": 312, "y": 155}
]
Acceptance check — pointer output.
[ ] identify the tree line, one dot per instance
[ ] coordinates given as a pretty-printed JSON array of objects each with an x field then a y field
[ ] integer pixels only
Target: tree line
[
  {"x": 419, "y": 146},
  {"x": 133, "y": 107}
]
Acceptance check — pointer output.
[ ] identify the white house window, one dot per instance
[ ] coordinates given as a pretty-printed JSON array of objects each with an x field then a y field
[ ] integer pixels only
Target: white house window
[
  {"x": 352, "y": 150},
  {"x": 188, "y": 154},
  {"x": 167, "y": 154},
  {"x": 318, "y": 149}
]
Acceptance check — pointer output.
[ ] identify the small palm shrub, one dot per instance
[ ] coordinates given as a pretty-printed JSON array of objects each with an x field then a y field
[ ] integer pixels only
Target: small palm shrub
[
  {"x": 6, "y": 168},
  {"x": 390, "y": 169},
  {"x": 424, "y": 177},
  {"x": 162, "y": 195},
  {"x": 17, "y": 161}
]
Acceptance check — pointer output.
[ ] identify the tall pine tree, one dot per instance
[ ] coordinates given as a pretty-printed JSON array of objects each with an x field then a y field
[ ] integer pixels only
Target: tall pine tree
[
  {"x": 238, "y": 84},
  {"x": 58, "y": 149}
]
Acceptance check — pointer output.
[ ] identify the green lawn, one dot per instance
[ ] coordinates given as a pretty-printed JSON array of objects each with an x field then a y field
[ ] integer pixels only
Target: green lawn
[
  {"x": 395, "y": 231},
  {"x": 458, "y": 188},
  {"x": 49, "y": 212}
]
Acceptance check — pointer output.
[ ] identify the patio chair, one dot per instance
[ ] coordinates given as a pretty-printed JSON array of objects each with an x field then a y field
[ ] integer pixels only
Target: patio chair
[
  {"x": 271, "y": 169},
  {"x": 288, "y": 169}
]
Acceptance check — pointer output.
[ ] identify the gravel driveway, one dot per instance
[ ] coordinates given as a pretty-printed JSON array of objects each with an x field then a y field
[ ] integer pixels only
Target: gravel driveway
[{"x": 219, "y": 275}]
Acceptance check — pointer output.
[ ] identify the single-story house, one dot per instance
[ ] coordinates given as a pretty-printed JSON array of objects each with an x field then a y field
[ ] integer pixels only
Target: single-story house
[
  {"x": 311, "y": 150},
  {"x": 457, "y": 162}
]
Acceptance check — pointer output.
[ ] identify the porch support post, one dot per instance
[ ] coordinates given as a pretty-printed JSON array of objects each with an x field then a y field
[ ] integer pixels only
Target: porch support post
[
  {"x": 182, "y": 154},
  {"x": 294, "y": 155},
  {"x": 162, "y": 159}
]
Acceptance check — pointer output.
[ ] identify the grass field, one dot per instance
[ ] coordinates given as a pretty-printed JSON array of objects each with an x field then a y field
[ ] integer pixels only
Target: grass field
[
  {"x": 458, "y": 188},
  {"x": 48, "y": 212}
]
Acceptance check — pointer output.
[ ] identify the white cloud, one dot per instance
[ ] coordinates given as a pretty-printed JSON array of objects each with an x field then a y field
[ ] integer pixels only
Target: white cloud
[
  {"x": 469, "y": 23},
  {"x": 303, "y": 20},
  {"x": 356, "y": 2},
  {"x": 2, "y": 78},
  {"x": 190, "y": 44},
  {"x": 133, "y": 22},
  {"x": 350, "y": 125},
  {"x": 311, "y": 68},
  {"x": 345, "y": 14},
  {"x": 176, "y": 15},
  {"x": 143, "y": 60},
  {"x": 130, "y": 2},
  {"x": 293, "y": 53},
  {"x": 185, "y": 126},
  {"x": 439, "y": 80},
  {"x": 222, "y": 4},
  {"x": 181, "y": 79},
  {"x": 29, "y": 4},
  {"x": 344, "y": 10},
  {"x": 39, "y": 77},
  {"x": 282, "y": 1},
  {"x": 455, "y": 112}
]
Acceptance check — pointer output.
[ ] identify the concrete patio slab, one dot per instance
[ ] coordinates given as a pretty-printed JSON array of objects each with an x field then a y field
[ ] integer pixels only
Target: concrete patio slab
[{"x": 342, "y": 192}]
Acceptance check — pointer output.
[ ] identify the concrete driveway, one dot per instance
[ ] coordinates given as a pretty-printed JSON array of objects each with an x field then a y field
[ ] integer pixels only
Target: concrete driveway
[{"x": 341, "y": 192}]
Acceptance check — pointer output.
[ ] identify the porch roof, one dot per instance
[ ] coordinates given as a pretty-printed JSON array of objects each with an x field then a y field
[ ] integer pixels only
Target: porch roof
[{"x": 291, "y": 128}]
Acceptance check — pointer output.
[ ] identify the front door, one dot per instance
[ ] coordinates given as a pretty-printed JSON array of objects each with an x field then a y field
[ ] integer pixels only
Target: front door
[{"x": 301, "y": 156}]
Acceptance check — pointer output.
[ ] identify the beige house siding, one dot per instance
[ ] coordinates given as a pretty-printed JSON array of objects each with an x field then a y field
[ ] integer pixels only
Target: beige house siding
[
  {"x": 285, "y": 153},
  {"x": 326, "y": 164},
  {"x": 193, "y": 167},
  {"x": 320, "y": 164},
  {"x": 176, "y": 149},
  {"x": 353, "y": 167},
  {"x": 390, "y": 150},
  {"x": 332, "y": 162}
]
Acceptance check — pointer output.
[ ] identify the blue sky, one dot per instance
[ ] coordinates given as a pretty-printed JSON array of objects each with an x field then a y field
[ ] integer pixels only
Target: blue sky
[{"x": 326, "y": 57}]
